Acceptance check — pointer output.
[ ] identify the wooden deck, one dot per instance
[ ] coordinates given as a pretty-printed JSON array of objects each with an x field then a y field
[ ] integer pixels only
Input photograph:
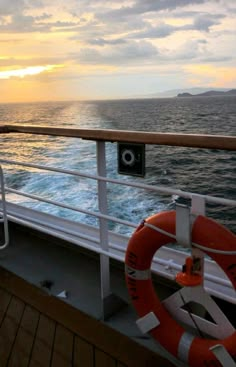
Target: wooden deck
[{"x": 39, "y": 330}]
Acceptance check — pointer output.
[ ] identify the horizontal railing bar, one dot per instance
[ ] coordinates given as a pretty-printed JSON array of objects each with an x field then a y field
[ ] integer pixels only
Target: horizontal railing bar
[
  {"x": 204, "y": 141},
  {"x": 160, "y": 189},
  {"x": 65, "y": 230},
  {"x": 222, "y": 201},
  {"x": 65, "y": 206},
  {"x": 70, "y": 232},
  {"x": 49, "y": 168}
]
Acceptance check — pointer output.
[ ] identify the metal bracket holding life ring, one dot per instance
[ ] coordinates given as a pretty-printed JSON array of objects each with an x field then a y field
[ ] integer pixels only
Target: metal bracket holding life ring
[{"x": 156, "y": 316}]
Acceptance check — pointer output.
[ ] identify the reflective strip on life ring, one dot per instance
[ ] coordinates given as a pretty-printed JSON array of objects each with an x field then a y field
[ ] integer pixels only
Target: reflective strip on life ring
[{"x": 145, "y": 241}]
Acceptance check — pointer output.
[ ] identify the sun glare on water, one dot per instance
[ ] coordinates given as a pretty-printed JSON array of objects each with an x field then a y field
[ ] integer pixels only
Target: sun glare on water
[{"x": 21, "y": 73}]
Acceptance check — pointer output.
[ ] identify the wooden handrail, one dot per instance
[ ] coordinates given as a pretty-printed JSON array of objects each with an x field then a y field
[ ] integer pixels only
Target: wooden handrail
[{"x": 126, "y": 136}]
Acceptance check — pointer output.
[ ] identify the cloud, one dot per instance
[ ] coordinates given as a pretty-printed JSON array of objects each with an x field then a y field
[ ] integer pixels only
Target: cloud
[
  {"x": 189, "y": 50},
  {"x": 11, "y": 7},
  {"x": 204, "y": 22},
  {"x": 16, "y": 17},
  {"x": 20, "y": 23},
  {"x": 137, "y": 27},
  {"x": 216, "y": 59},
  {"x": 17, "y": 6},
  {"x": 125, "y": 18},
  {"x": 160, "y": 31},
  {"x": 24, "y": 62},
  {"x": 147, "y": 6},
  {"x": 104, "y": 42},
  {"x": 156, "y": 6},
  {"x": 133, "y": 51},
  {"x": 201, "y": 23}
]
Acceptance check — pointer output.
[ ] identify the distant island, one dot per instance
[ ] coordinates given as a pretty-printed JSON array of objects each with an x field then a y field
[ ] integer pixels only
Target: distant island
[{"x": 210, "y": 93}]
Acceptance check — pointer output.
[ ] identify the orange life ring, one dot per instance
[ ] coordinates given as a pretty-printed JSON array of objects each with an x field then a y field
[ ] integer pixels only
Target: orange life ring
[{"x": 194, "y": 351}]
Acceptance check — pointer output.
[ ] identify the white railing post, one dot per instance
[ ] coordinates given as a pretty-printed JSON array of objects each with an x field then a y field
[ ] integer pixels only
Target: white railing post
[
  {"x": 103, "y": 225},
  {"x": 103, "y": 229},
  {"x": 198, "y": 207},
  {"x": 110, "y": 302}
]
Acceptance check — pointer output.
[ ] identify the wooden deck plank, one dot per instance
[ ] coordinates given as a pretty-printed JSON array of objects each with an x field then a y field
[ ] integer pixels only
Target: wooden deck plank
[
  {"x": 46, "y": 330},
  {"x": 15, "y": 309},
  {"x": 83, "y": 353},
  {"x": 35, "y": 364},
  {"x": 5, "y": 298},
  {"x": 21, "y": 351},
  {"x": 59, "y": 361},
  {"x": 43, "y": 344},
  {"x": 103, "y": 360},
  {"x": 30, "y": 319},
  {"x": 20, "y": 355},
  {"x": 63, "y": 348},
  {"x": 9, "y": 329}
]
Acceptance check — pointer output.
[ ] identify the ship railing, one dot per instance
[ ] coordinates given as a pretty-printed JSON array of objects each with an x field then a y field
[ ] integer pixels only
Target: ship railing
[{"x": 101, "y": 240}]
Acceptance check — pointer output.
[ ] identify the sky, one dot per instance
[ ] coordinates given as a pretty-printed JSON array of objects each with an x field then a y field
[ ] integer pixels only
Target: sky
[{"x": 99, "y": 49}]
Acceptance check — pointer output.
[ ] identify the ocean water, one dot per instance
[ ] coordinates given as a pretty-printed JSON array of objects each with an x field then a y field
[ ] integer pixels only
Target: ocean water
[{"x": 208, "y": 171}]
